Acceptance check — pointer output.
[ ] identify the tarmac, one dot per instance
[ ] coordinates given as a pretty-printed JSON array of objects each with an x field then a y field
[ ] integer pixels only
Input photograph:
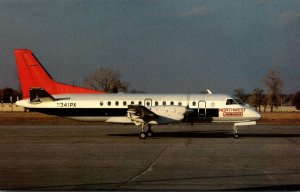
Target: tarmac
[{"x": 178, "y": 157}]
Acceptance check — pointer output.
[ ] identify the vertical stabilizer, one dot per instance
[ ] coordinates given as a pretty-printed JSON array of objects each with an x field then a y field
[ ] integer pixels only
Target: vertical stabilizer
[{"x": 32, "y": 74}]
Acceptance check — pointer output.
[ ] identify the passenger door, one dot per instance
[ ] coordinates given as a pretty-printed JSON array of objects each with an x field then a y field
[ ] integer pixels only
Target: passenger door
[{"x": 201, "y": 109}]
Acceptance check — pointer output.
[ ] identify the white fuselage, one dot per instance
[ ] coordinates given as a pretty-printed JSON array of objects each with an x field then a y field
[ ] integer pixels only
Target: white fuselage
[{"x": 113, "y": 108}]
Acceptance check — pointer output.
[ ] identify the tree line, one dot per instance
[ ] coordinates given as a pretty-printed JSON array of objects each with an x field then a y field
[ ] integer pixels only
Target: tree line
[
  {"x": 260, "y": 100},
  {"x": 110, "y": 81},
  {"x": 9, "y": 95},
  {"x": 273, "y": 97}
]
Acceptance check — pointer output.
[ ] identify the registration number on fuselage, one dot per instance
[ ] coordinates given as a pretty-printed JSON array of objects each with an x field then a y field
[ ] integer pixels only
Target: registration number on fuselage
[{"x": 66, "y": 105}]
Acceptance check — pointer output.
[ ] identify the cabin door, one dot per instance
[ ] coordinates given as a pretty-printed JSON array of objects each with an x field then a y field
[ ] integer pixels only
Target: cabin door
[{"x": 201, "y": 109}]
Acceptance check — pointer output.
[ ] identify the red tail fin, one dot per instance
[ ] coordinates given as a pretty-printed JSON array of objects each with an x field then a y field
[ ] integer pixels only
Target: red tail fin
[{"x": 32, "y": 74}]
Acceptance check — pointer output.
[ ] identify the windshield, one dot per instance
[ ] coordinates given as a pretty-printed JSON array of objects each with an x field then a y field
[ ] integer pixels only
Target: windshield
[
  {"x": 234, "y": 102},
  {"x": 239, "y": 101},
  {"x": 231, "y": 102}
]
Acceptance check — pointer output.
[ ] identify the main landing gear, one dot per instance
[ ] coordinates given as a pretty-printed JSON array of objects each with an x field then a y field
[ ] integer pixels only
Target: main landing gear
[{"x": 149, "y": 133}]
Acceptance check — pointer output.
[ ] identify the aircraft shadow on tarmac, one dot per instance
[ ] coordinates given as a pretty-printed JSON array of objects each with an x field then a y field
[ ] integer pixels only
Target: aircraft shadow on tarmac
[
  {"x": 270, "y": 187},
  {"x": 209, "y": 134}
]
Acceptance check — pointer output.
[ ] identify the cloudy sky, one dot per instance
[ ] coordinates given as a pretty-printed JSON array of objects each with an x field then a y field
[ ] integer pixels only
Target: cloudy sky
[{"x": 157, "y": 45}]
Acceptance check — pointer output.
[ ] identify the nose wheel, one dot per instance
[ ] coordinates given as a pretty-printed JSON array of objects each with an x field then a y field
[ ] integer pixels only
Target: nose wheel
[
  {"x": 236, "y": 135},
  {"x": 235, "y": 132}
]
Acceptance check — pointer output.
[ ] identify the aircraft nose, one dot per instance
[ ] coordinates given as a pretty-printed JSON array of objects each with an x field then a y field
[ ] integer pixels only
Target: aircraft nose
[{"x": 256, "y": 115}]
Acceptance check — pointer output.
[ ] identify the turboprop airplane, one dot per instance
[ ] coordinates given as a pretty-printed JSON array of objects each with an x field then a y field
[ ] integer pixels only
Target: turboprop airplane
[{"x": 42, "y": 94}]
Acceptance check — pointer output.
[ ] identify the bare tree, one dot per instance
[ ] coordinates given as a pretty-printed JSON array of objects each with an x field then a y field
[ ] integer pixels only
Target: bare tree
[
  {"x": 241, "y": 94},
  {"x": 265, "y": 102},
  {"x": 257, "y": 98},
  {"x": 106, "y": 79},
  {"x": 296, "y": 100},
  {"x": 8, "y": 95},
  {"x": 274, "y": 83}
]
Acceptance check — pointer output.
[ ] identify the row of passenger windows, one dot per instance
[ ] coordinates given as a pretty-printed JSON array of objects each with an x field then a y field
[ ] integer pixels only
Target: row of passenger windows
[
  {"x": 148, "y": 103},
  {"x": 156, "y": 103}
]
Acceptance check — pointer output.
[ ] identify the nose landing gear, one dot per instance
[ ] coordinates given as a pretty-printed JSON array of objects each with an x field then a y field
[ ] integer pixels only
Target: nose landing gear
[
  {"x": 235, "y": 132},
  {"x": 236, "y": 125}
]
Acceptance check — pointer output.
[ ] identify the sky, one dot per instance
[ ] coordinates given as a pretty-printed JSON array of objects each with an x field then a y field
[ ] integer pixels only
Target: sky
[{"x": 158, "y": 46}]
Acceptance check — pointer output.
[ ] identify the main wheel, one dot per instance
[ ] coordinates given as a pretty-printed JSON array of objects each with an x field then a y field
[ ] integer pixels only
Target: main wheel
[
  {"x": 236, "y": 135},
  {"x": 150, "y": 133},
  {"x": 143, "y": 135}
]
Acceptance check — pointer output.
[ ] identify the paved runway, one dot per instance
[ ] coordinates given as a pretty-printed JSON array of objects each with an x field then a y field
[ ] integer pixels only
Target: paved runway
[{"x": 178, "y": 157}]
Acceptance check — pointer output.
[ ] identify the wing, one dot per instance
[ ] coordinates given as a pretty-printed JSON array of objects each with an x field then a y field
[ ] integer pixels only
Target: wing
[
  {"x": 140, "y": 114},
  {"x": 141, "y": 111},
  {"x": 156, "y": 114}
]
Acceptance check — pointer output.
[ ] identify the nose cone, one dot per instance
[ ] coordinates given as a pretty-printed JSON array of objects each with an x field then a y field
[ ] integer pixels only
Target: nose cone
[{"x": 255, "y": 115}]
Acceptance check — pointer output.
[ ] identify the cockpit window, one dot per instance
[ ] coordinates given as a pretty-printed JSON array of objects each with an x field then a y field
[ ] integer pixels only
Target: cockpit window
[
  {"x": 234, "y": 102},
  {"x": 231, "y": 102},
  {"x": 239, "y": 101}
]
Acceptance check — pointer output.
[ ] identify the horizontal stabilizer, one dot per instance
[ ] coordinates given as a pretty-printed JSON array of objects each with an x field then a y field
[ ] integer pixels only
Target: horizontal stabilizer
[{"x": 38, "y": 95}]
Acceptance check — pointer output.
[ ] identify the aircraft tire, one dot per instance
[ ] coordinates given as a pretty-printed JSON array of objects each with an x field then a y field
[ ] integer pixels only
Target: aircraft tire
[
  {"x": 236, "y": 135},
  {"x": 143, "y": 135},
  {"x": 149, "y": 133}
]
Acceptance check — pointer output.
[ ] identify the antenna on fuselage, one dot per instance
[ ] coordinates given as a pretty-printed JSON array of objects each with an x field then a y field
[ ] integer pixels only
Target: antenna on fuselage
[{"x": 209, "y": 91}]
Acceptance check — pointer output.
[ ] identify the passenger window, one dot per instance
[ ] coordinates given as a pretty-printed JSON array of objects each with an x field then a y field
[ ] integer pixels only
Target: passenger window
[
  {"x": 164, "y": 103},
  {"x": 109, "y": 103},
  {"x": 179, "y": 103},
  {"x": 117, "y": 103},
  {"x": 194, "y": 103},
  {"x": 156, "y": 103},
  {"x": 172, "y": 103},
  {"x": 101, "y": 103},
  {"x": 230, "y": 102},
  {"x": 132, "y": 102},
  {"x": 148, "y": 103},
  {"x": 140, "y": 103},
  {"x": 124, "y": 103}
]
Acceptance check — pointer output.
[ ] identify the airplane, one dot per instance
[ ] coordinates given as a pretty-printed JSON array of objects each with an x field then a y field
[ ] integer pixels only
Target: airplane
[{"x": 41, "y": 93}]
